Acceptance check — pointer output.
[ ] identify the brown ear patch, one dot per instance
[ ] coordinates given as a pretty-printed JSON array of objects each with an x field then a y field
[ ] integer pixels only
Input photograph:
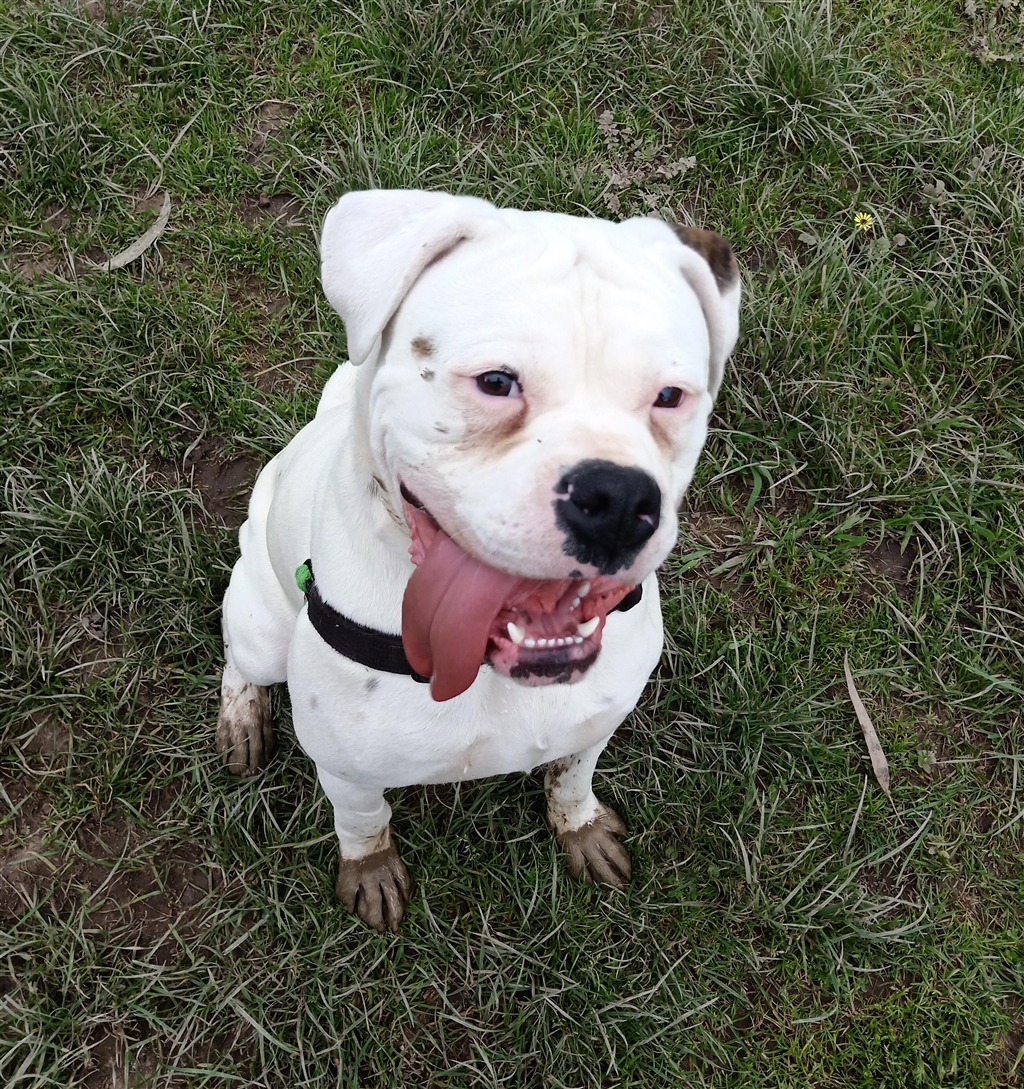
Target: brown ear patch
[{"x": 715, "y": 249}]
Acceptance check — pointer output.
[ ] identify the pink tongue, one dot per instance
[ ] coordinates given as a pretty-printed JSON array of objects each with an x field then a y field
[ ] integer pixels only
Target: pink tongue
[{"x": 449, "y": 606}]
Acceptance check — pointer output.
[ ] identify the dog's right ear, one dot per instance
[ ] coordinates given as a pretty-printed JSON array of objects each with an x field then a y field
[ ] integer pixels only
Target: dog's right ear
[
  {"x": 376, "y": 244},
  {"x": 707, "y": 263}
]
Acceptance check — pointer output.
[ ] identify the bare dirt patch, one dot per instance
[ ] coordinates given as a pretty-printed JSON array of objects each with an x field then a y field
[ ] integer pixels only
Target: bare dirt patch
[
  {"x": 97, "y": 10},
  {"x": 117, "y": 876},
  {"x": 95, "y": 651},
  {"x": 25, "y": 868},
  {"x": 282, "y": 209},
  {"x": 883, "y": 567},
  {"x": 45, "y": 737},
  {"x": 273, "y": 117},
  {"x": 728, "y": 537},
  {"x": 249, "y": 291},
  {"x": 885, "y": 883},
  {"x": 1010, "y": 1049},
  {"x": 768, "y": 257},
  {"x": 33, "y": 268},
  {"x": 223, "y": 482},
  {"x": 56, "y": 218},
  {"x": 886, "y": 559},
  {"x": 148, "y": 201},
  {"x": 128, "y": 1054},
  {"x": 711, "y": 528},
  {"x": 142, "y": 895}
]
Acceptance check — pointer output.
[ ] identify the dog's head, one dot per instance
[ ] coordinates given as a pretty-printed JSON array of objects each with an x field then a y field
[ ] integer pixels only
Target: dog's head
[{"x": 540, "y": 394}]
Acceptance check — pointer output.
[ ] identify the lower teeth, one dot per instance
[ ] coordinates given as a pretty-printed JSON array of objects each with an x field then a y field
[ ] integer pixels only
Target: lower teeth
[{"x": 545, "y": 644}]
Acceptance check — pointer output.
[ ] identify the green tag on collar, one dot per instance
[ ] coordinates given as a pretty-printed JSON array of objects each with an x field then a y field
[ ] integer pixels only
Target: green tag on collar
[{"x": 303, "y": 577}]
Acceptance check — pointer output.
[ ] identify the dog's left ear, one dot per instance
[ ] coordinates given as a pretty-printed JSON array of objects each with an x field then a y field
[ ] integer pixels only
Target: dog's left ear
[
  {"x": 707, "y": 263},
  {"x": 375, "y": 245}
]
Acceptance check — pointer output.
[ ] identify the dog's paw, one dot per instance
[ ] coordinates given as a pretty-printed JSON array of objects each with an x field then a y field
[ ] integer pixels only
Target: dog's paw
[
  {"x": 594, "y": 853},
  {"x": 245, "y": 730},
  {"x": 375, "y": 888}
]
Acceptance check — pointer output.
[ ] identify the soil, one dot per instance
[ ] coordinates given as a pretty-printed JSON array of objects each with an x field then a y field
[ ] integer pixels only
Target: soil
[
  {"x": 48, "y": 738},
  {"x": 25, "y": 869},
  {"x": 145, "y": 201},
  {"x": 283, "y": 209},
  {"x": 1009, "y": 1048},
  {"x": 244, "y": 291},
  {"x": 112, "y": 872},
  {"x": 33, "y": 268},
  {"x": 143, "y": 893},
  {"x": 274, "y": 116},
  {"x": 887, "y": 560},
  {"x": 97, "y": 10},
  {"x": 223, "y": 482},
  {"x": 94, "y": 649}
]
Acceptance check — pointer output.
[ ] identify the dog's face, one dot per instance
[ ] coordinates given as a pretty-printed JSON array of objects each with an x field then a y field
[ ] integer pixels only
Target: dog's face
[{"x": 540, "y": 396}]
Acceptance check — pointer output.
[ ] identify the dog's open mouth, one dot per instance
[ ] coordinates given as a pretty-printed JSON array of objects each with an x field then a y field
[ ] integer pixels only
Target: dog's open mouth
[{"x": 457, "y": 612}]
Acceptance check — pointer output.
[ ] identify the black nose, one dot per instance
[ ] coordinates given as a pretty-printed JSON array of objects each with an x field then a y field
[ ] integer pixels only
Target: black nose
[{"x": 610, "y": 513}]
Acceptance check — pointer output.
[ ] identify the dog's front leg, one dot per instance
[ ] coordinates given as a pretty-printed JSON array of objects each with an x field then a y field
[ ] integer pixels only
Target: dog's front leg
[
  {"x": 245, "y": 729},
  {"x": 372, "y": 880},
  {"x": 588, "y": 830}
]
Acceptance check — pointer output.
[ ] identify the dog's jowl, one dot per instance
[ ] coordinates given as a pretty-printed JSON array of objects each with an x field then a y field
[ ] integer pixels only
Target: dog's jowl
[{"x": 453, "y": 565}]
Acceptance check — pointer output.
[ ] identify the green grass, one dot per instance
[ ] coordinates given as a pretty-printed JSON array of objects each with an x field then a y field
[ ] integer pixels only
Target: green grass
[{"x": 862, "y": 494}]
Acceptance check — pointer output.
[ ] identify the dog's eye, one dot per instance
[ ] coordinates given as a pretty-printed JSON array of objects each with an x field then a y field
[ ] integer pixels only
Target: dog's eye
[
  {"x": 669, "y": 397},
  {"x": 497, "y": 383}
]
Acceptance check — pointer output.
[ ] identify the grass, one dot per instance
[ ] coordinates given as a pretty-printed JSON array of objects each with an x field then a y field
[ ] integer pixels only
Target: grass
[{"x": 862, "y": 495}]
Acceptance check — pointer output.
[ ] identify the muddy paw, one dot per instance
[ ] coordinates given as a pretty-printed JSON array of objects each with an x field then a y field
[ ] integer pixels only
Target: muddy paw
[
  {"x": 245, "y": 731},
  {"x": 375, "y": 888},
  {"x": 594, "y": 853}
]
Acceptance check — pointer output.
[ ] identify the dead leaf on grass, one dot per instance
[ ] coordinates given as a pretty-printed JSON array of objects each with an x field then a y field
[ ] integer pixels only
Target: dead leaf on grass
[
  {"x": 141, "y": 244},
  {"x": 879, "y": 764}
]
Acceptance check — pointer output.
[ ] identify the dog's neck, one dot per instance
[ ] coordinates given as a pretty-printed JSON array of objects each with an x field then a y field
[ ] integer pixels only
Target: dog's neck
[{"x": 367, "y": 532}]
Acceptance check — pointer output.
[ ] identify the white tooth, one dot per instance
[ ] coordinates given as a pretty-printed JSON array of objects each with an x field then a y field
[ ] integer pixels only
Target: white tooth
[
  {"x": 531, "y": 643},
  {"x": 589, "y": 628},
  {"x": 575, "y": 602},
  {"x": 578, "y": 639},
  {"x": 561, "y": 642},
  {"x": 516, "y": 634},
  {"x": 584, "y": 589}
]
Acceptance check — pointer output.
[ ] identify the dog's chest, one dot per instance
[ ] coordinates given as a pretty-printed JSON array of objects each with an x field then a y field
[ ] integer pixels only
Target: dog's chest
[{"x": 381, "y": 728}]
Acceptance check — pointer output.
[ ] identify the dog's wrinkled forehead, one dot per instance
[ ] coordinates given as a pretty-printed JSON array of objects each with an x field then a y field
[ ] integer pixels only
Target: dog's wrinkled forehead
[
  {"x": 534, "y": 296},
  {"x": 377, "y": 244}
]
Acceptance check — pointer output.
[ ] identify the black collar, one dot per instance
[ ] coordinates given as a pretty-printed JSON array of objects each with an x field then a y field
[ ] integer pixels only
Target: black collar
[
  {"x": 370, "y": 647},
  {"x": 367, "y": 646}
]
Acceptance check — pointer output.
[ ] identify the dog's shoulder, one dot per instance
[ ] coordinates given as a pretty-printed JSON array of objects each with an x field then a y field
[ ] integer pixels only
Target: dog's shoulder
[{"x": 339, "y": 390}]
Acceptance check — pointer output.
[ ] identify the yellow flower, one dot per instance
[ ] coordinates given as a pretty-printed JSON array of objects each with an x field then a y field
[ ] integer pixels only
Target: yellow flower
[{"x": 864, "y": 221}]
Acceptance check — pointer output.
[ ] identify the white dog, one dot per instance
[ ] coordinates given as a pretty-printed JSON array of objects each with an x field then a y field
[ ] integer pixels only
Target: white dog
[{"x": 482, "y": 500}]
